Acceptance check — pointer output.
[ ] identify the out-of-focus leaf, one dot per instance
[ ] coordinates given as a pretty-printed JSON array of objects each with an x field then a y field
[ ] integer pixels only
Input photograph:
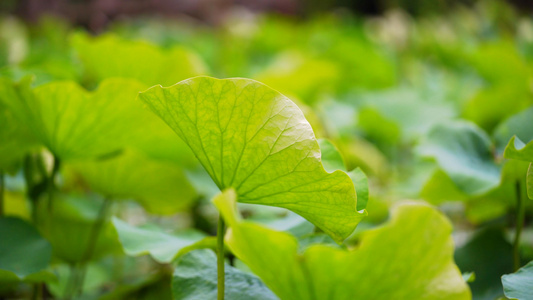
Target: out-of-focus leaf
[
  {"x": 529, "y": 181},
  {"x": 24, "y": 253},
  {"x": 519, "y": 285},
  {"x": 509, "y": 78},
  {"x": 69, "y": 225},
  {"x": 163, "y": 247},
  {"x": 401, "y": 115},
  {"x": 108, "y": 56},
  {"x": 360, "y": 181},
  {"x": 469, "y": 276},
  {"x": 96, "y": 277},
  {"x": 489, "y": 255},
  {"x": 296, "y": 74},
  {"x": 13, "y": 41},
  {"x": 15, "y": 137},
  {"x": 516, "y": 149},
  {"x": 332, "y": 161},
  {"x": 195, "y": 277},
  {"x": 463, "y": 152},
  {"x": 517, "y": 125},
  {"x": 330, "y": 156},
  {"x": 16, "y": 205},
  {"x": 74, "y": 123},
  {"x": 154, "y": 287},
  {"x": 291, "y": 223},
  {"x": 440, "y": 188},
  {"x": 507, "y": 63},
  {"x": 491, "y": 205},
  {"x": 162, "y": 188},
  {"x": 486, "y": 109},
  {"x": 250, "y": 137},
  {"x": 415, "y": 258}
]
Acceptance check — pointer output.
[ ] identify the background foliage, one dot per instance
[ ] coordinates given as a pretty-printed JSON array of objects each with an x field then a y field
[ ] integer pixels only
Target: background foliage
[{"x": 100, "y": 198}]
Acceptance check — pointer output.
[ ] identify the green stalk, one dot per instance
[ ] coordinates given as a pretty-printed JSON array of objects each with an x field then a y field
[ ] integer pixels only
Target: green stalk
[
  {"x": 51, "y": 183},
  {"x": 1, "y": 193},
  {"x": 220, "y": 258},
  {"x": 519, "y": 224},
  {"x": 91, "y": 245}
]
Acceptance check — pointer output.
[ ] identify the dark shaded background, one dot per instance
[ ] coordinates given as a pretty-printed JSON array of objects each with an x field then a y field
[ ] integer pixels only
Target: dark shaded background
[{"x": 95, "y": 14}]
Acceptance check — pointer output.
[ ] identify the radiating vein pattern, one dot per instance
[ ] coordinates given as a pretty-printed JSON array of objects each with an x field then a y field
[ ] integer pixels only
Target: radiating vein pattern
[{"x": 252, "y": 138}]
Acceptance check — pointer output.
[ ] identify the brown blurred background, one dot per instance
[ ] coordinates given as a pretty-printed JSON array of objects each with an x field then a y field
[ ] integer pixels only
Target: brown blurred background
[{"x": 95, "y": 14}]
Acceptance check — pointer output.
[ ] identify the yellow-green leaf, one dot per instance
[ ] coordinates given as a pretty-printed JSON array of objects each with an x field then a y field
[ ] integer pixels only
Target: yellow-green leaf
[
  {"x": 410, "y": 257},
  {"x": 252, "y": 138}
]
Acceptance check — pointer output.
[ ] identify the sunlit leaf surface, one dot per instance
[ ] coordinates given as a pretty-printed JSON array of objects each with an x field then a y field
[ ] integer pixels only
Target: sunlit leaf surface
[
  {"x": 415, "y": 258},
  {"x": 250, "y": 137}
]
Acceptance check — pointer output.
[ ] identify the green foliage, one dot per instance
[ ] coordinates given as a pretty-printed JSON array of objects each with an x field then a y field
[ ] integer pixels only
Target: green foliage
[
  {"x": 15, "y": 138},
  {"x": 516, "y": 149},
  {"x": 415, "y": 243},
  {"x": 463, "y": 152},
  {"x": 110, "y": 56},
  {"x": 530, "y": 181},
  {"x": 161, "y": 188},
  {"x": 386, "y": 108},
  {"x": 519, "y": 284},
  {"x": 252, "y": 138},
  {"x": 195, "y": 277},
  {"x": 162, "y": 246},
  {"x": 487, "y": 254},
  {"x": 75, "y": 124},
  {"x": 68, "y": 226},
  {"x": 24, "y": 253}
]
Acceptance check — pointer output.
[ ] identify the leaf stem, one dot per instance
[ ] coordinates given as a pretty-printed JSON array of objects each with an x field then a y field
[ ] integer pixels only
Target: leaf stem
[
  {"x": 91, "y": 245},
  {"x": 51, "y": 183},
  {"x": 519, "y": 224},
  {"x": 1, "y": 194},
  {"x": 220, "y": 258}
]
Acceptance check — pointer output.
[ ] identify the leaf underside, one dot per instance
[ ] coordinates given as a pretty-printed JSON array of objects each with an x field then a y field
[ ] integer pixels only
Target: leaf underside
[{"x": 252, "y": 138}]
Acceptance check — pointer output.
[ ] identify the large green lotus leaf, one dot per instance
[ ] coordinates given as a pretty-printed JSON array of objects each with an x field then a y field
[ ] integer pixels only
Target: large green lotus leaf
[
  {"x": 518, "y": 125},
  {"x": 519, "y": 285},
  {"x": 195, "y": 277},
  {"x": 250, "y": 137},
  {"x": 69, "y": 225},
  {"x": 463, "y": 152},
  {"x": 162, "y": 188},
  {"x": 411, "y": 257},
  {"x": 162, "y": 246},
  {"x": 24, "y": 253},
  {"x": 15, "y": 138},
  {"x": 74, "y": 123},
  {"x": 110, "y": 56}
]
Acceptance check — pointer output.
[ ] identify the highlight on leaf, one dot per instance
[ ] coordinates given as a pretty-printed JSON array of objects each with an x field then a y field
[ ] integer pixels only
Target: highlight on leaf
[{"x": 251, "y": 138}]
